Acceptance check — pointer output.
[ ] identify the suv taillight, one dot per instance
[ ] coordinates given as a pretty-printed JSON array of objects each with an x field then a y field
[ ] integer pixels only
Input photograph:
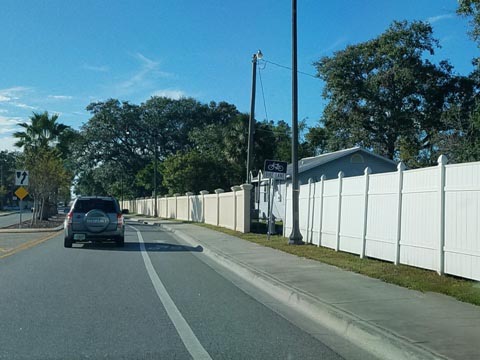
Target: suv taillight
[
  {"x": 119, "y": 220},
  {"x": 69, "y": 218}
]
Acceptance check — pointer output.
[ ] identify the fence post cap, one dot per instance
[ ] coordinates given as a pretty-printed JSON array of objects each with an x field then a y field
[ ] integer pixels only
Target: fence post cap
[
  {"x": 188, "y": 193},
  {"x": 236, "y": 188},
  {"x": 401, "y": 166},
  {"x": 367, "y": 171},
  {"x": 341, "y": 174},
  {"x": 442, "y": 160},
  {"x": 219, "y": 191},
  {"x": 322, "y": 178},
  {"x": 203, "y": 192},
  {"x": 176, "y": 194},
  {"x": 246, "y": 187},
  {"x": 310, "y": 180}
]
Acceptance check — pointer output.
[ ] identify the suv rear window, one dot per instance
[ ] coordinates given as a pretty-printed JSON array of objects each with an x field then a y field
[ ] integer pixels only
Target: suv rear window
[{"x": 86, "y": 205}]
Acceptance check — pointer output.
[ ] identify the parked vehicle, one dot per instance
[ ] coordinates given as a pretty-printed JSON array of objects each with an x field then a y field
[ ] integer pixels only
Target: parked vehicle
[{"x": 94, "y": 218}]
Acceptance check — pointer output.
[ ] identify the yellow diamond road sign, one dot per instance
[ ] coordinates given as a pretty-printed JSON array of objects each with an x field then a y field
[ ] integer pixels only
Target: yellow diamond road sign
[{"x": 21, "y": 192}]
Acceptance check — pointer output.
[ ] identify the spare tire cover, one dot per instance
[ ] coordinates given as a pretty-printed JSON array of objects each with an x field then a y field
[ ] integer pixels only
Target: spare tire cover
[{"x": 96, "y": 221}]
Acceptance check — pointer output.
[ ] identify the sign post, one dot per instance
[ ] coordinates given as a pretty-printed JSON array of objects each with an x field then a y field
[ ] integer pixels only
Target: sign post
[
  {"x": 21, "y": 179},
  {"x": 273, "y": 170},
  {"x": 21, "y": 193}
]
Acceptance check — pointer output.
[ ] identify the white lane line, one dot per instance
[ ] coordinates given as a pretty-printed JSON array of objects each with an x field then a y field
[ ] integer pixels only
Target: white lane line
[{"x": 189, "y": 339}]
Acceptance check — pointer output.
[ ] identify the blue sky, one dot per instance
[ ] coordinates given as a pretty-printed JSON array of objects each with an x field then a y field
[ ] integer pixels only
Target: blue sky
[{"x": 59, "y": 55}]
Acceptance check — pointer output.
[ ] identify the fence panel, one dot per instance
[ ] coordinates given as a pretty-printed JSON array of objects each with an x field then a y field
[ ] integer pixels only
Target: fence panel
[
  {"x": 182, "y": 208},
  {"x": 304, "y": 210},
  {"x": 382, "y": 216},
  {"x": 226, "y": 210},
  {"x": 211, "y": 209},
  {"x": 420, "y": 230},
  {"x": 317, "y": 212},
  {"x": 330, "y": 213},
  {"x": 462, "y": 214},
  {"x": 351, "y": 219},
  {"x": 172, "y": 207},
  {"x": 196, "y": 208},
  {"x": 287, "y": 227}
]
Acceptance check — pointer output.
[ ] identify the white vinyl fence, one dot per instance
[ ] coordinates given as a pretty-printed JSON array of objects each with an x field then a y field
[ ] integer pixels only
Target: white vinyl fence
[
  {"x": 428, "y": 218},
  {"x": 230, "y": 210}
]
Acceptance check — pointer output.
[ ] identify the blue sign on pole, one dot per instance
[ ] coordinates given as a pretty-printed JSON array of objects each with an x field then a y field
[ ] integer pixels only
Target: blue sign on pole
[{"x": 275, "y": 169}]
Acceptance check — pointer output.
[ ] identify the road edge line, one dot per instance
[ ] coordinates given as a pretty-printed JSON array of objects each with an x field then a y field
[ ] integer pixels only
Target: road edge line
[{"x": 188, "y": 337}]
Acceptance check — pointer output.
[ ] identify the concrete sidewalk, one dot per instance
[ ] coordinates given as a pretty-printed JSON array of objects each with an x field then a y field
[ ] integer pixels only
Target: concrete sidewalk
[{"x": 389, "y": 321}]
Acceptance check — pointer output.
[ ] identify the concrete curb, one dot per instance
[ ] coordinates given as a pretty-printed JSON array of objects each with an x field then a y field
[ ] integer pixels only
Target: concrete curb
[
  {"x": 378, "y": 341},
  {"x": 9, "y": 213}
]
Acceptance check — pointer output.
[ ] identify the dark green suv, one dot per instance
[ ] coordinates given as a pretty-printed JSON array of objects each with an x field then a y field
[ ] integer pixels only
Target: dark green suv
[{"x": 94, "y": 218}]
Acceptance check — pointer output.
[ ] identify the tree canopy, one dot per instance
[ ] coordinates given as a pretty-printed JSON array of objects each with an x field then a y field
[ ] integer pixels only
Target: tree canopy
[
  {"x": 386, "y": 95},
  {"x": 471, "y": 9}
]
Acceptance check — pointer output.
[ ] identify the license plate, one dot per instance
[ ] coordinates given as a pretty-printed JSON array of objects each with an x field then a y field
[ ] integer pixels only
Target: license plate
[{"x": 78, "y": 236}]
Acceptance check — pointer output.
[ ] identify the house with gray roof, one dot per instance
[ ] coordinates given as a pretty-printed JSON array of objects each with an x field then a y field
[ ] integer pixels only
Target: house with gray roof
[{"x": 352, "y": 162}]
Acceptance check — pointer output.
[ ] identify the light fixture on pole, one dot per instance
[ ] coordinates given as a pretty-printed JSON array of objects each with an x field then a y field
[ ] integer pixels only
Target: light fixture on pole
[
  {"x": 251, "y": 123},
  {"x": 295, "y": 237}
]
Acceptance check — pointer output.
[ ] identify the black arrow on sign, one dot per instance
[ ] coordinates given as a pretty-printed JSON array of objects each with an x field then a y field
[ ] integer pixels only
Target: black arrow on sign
[{"x": 24, "y": 176}]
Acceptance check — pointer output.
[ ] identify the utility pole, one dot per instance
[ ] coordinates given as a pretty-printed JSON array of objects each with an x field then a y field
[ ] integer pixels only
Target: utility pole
[
  {"x": 295, "y": 237},
  {"x": 251, "y": 121}
]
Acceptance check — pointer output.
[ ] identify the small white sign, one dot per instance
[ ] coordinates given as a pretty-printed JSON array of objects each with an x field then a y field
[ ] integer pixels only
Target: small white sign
[
  {"x": 274, "y": 175},
  {"x": 21, "y": 177}
]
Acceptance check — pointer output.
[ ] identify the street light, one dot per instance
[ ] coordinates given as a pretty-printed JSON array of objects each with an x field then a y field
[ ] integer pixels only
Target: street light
[
  {"x": 251, "y": 123},
  {"x": 295, "y": 237}
]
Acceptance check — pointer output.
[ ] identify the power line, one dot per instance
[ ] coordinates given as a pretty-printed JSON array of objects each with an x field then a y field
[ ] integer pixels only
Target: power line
[
  {"x": 263, "y": 93},
  {"x": 289, "y": 68}
]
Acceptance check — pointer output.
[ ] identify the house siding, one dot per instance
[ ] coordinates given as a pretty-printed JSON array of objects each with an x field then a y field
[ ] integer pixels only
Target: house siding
[{"x": 331, "y": 169}]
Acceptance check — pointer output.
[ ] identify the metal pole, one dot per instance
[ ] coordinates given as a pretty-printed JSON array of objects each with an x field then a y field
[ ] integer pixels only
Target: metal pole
[
  {"x": 251, "y": 122},
  {"x": 271, "y": 224},
  {"x": 121, "y": 186},
  {"x": 155, "y": 178},
  {"x": 21, "y": 206},
  {"x": 295, "y": 237}
]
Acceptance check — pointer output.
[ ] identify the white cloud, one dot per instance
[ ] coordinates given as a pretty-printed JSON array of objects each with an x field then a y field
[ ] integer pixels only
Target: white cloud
[
  {"x": 6, "y": 143},
  {"x": 102, "y": 68},
  {"x": 11, "y": 97},
  {"x": 434, "y": 19},
  {"x": 9, "y": 124},
  {"x": 24, "y": 106},
  {"x": 149, "y": 69},
  {"x": 13, "y": 93},
  {"x": 170, "y": 93},
  {"x": 60, "y": 97},
  {"x": 333, "y": 46}
]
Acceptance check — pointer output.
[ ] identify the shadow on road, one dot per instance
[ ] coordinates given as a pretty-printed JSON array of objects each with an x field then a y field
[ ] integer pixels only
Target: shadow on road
[{"x": 151, "y": 247}]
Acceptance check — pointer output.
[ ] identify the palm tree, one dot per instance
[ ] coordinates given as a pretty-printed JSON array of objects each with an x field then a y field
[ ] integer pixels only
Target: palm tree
[
  {"x": 40, "y": 143},
  {"x": 43, "y": 132}
]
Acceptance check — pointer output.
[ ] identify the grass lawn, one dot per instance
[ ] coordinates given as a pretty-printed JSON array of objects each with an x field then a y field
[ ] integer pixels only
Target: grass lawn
[{"x": 402, "y": 275}]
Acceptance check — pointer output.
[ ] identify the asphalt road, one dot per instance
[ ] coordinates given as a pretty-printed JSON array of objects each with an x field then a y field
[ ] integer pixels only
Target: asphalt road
[
  {"x": 8, "y": 220},
  {"x": 153, "y": 299}
]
